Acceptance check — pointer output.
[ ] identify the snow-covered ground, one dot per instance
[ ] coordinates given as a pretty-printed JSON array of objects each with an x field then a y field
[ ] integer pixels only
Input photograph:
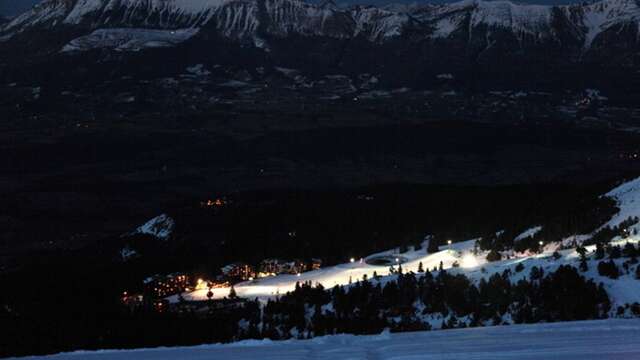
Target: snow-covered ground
[
  {"x": 124, "y": 39},
  {"x": 341, "y": 274},
  {"x": 474, "y": 265},
  {"x": 585, "y": 340},
  {"x": 160, "y": 226}
]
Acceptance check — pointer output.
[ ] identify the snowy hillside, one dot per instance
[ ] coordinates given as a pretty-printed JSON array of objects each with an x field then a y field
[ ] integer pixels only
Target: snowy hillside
[
  {"x": 129, "y": 39},
  {"x": 627, "y": 197},
  {"x": 474, "y": 265},
  {"x": 160, "y": 227},
  {"x": 588, "y": 340},
  {"x": 464, "y": 258}
]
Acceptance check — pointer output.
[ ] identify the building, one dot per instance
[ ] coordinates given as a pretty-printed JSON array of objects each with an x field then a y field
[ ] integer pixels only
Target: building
[
  {"x": 214, "y": 203},
  {"x": 239, "y": 271},
  {"x": 132, "y": 301},
  {"x": 272, "y": 267},
  {"x": 315, "y": 264},
  {"x": 161, "y": 286}
]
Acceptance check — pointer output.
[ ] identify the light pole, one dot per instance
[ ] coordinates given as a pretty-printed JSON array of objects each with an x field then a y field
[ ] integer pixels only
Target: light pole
[
  {"x": 541, "y": 244},
  {"x": 449, "y": 244}
]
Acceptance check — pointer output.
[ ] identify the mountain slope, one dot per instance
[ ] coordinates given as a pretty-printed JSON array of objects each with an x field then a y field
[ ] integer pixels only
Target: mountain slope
[
  {"x": 466, "y": 258},
  {"x": 489, "y": 42},
  {"x": 574, "y": 340},
  {"x": 241, "y": 18}
]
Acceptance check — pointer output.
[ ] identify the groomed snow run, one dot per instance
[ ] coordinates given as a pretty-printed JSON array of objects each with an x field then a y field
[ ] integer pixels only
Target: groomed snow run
[
  {"x": 464, "y": 258},
  {"x": 585, "y": 340}
]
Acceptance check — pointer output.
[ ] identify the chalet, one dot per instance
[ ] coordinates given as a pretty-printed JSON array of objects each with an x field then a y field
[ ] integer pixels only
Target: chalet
[
  {"x": 315, "y": 264},
  {"x": 295, "y": 267},
  {"x": 271, "y": 267},
  {"x": 132, "y": 301},
  {"x": 239, "y": 270},
  {"x": 214, "y": 203},
  {"x": 161, "y": 286}
]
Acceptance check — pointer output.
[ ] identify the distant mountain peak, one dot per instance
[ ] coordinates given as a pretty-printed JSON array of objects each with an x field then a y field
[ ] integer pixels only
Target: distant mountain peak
[{"x": 473, "y": 31}]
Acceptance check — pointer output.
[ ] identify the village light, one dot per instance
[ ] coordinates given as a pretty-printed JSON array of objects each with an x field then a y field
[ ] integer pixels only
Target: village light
[
  {"x": 469, "y": 261},
  {"x": 540, "y": 243},
  {"x": 397, "y": 260},
  {"x": 298, "y": 274},
  {"x": 352, "y": 260}
]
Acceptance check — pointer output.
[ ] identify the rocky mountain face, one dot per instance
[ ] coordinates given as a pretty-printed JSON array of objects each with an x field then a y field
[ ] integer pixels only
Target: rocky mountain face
[{"x": 476, "y": 41}]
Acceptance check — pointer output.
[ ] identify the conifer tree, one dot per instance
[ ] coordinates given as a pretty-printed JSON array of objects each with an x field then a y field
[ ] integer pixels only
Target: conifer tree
[
  {"x": 614, "y": 252},
  {"x": 432, "y": 247},
  {"x": 494, "y": 255},
  {"x": 583, "y": 264},
  {"x": 599, "y": 251}
]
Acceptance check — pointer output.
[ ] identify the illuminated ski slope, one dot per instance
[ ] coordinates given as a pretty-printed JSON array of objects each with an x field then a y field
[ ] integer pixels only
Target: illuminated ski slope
[
  {"x": 472, "y": 263},
  {"x": 341, "y": 274}
]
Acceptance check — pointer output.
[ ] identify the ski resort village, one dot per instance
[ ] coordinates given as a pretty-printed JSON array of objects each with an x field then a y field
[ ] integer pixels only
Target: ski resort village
[
  {"x": 425, "y": 286},
  {"x": 320, "y": 179},
  {"x": 391, "y": 299}
]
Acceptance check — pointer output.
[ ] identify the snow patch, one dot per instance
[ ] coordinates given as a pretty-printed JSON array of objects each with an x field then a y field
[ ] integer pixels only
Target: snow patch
[
  {"x": 124, "y": 39},
  {"x": 160, "y": 227},
  {"x": 528, "y": 233}
]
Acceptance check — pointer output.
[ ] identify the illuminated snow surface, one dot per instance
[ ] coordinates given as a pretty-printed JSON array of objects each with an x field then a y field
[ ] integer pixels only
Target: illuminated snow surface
[
  {"x": 462, "y": 257},
  {"x": 585, "y": 340}
]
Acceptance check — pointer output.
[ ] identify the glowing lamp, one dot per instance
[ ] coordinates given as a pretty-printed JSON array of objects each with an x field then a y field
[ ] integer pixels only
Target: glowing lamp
[{"x": 469, "y": 261}]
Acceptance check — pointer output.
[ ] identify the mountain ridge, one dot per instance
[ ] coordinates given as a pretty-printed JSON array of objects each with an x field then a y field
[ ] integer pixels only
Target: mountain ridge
[
  {"x": 476, "y": 41},
  {"x": 238, "y": 19}
]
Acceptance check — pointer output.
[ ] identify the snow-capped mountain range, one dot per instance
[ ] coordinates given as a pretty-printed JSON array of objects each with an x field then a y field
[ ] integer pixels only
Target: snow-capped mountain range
[
  {"x": 239, "y": 20},
  {"x": 481, "y": 43}
]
